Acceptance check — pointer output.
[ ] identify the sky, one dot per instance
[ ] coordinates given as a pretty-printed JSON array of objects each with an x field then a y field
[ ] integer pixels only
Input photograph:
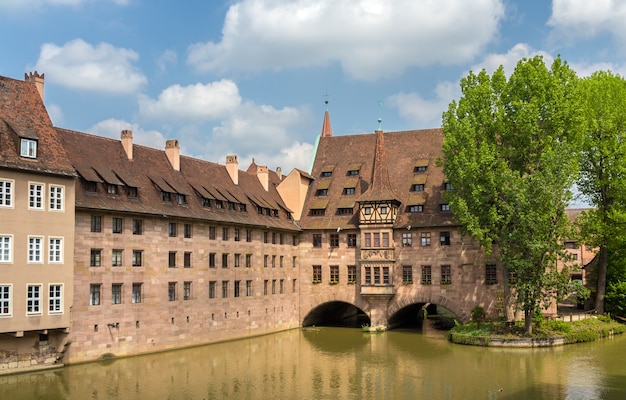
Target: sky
[{"x": 251, "y": 77}]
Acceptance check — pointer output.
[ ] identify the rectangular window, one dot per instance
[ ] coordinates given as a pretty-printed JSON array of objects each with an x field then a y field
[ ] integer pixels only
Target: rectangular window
[
  {"x": 265, "y": 284},
  {"x": 417, "y": 187},
  {"x": 266, "y": 236},
  {"x": 273, "y": 286},
  {"x": 416, "y": 208},
  {"x": 33, "y": 299},
  {"x": 225, "y": 260},
  {"x": 281, "y": 288},
  {"x": 5, "y": 300},
  {"x": 187, "y": 230},
  {"x": 95, "y": 258},
  {"x": 171, "y": 259},
  {"x": 55, "y": 299},
  {"x": 6, "y": 193},
  {"x": 348, "y": 191},
  {"x": 425, "y": 239},
  {"x": 187, "y": 290},
  {"x": 368, "y": 275},
  {"x": 376, "y": 275},
  {"x": 91, "y": 186},
  {"x": 490, "y": 274},
  {"x": 351, "y": 273},
  {"x": 444, "y": 238},
  {"x": 55, "y": 250},
  {"x": 386, "y": 280},
  {"x": 248, "y": 260},
  {"x": 56, "y": 198},
  {"x": 96, "y": 223},
  {"x": 351, "y": 239},
  {"x": 385, "y": 239},
  {"x": 294, "y": 260},
  {"x": 367, "y": 239},
  {"x": 211, "y": 260},
  {"x": 224, "y": 233},
  {"x": 280, "y": 262},
  {"x": 237, "y": 235},
  {"x": 237, "y": 284},
  {"x": 94, "y": 294},
  {"x": 187, "y": 259},
  {"x": 317, "y": 273},
  {"x": 35, "y": 248},
  {"x": 321, "y": 192},
  {"x": 334, "y": 274},
  {"x": 407, "y": 274},
  {"x": 248, "y": 235},
  {"x": 112, "y": 189},
  {"x": 28, "y": 148},
  {"x": 136, "y": 293},
  {"x": 273, "y": 261},
  {"x": 334, "y": 240},
  {"x": 281, "y": 239},
  {"x": 137, "y": 258},
  {"x": 446, "y": 275},
  {"x": 171, "y": 291},
  {"x": 444, "y": 207},
  {"x": 132, "y": 192},
  {"x": 116, "y": 258},
  {"x": 116, "y": 293},
  {"x": 212, "y": 232},
  {"x": 407, "y": 239},
  {"x": 376, "y": 239},
  {"x": 248, "y": 288},
  {"x": 317, "y": 240},
  {"x": 117, "y": 225},
  {"x": 294, "y": 285},
  {"x": 6, "y": 249},
  {"x": 212, "y": 293},
  {"x": 265, "y": 260},
  {"x": 447, "y": 186},
  {"x": 420, "y": 168},
  {"x": 426, "y": 275},
  {"x": 137, "y": 227},
  {"x": 237, "y": 261},
  {"x": 35, "y": 196},
  {"x": 224, "y": 289},
  {"x": 273, "y": 237},
  {"x": 166, "y": 197},
  {"x": 172, "y": 229}
]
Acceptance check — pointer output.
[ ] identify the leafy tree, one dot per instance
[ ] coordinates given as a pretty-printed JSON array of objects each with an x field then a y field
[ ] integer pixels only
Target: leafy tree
[
  {"x": 603, "y": 169},
  {"x": 510, "y": 151}
]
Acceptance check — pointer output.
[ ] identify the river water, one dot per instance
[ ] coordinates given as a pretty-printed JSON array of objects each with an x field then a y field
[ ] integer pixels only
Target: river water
[{"x": 340, "y": 363}]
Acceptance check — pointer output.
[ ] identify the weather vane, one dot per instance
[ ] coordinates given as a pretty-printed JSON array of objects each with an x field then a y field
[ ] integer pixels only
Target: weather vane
[
  {"x": 380, "y": 119},
  {"x": 326, "y": 101}
]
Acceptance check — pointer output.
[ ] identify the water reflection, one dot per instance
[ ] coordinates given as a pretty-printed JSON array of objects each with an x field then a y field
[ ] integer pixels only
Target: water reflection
[{"x": 340, "y": 363}]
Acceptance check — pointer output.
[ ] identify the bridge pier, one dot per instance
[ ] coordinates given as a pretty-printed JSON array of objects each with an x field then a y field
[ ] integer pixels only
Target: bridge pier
[{"x": 378, "y": 310}]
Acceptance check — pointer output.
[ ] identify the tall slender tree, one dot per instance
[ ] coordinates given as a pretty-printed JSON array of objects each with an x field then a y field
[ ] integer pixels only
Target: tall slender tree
[
  {"x": 510, "y": 150},
  {"x": 603, "y": 169}
]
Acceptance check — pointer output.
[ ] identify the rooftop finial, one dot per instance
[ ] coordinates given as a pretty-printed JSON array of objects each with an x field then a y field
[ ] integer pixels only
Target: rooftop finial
[
  {"x": 326, "y": 100},
  {"x": 380, "y": 120}
]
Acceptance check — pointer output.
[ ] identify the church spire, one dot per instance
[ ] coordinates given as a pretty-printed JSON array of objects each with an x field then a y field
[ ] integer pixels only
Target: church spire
[
  {"x": 380, "y": 186},
  {"x": 327, "y": 130}
]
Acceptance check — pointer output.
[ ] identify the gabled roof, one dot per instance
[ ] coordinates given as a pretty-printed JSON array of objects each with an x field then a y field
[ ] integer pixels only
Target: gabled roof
[
  {"x": 23, "y": 115},
  {"x": 151, "y": 172},
  {"x": 403, "y": 151}
]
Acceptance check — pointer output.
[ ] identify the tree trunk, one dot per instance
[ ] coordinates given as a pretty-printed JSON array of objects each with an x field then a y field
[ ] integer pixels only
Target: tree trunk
[
  {"x": 601, "y": 288},
  {"x": 528, "y": 321}
]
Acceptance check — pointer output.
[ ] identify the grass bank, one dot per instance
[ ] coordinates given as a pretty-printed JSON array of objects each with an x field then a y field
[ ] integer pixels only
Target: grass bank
[{"x": 544, "y": 331}]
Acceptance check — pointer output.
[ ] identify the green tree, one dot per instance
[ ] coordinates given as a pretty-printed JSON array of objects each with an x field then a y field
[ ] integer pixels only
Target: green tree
[
  {"x": 510, "y": 151},
  {"x": 603, "y": 169}
]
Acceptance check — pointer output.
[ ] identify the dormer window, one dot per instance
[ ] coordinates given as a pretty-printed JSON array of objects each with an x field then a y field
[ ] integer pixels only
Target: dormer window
[
  {"x": 417, "y": 187},
  {"x": 91, "y": 186},
  {"x": 219, "y": 204},
  {"x": 206, "y": 202},
  {"x": 230, "y": 205},
  {"x": 28, "y": 148},
  {"x": 444, "y": 207},
  {"x": 416, "y": 208},
  {"x": 182, "y": 199},
  {"x": 131, "y": 192},
  {"x": 242, "y": 208},
  {"x": 368, "y": 211},
  {"x": 447, "y": 186},
  {"x": 326, "y": 174},
  {"x": 111, "y": 189},
  {"x": 321, "y": 192},
  {"x": 348, "y": 191},
  {"x": 166, "y": 197},
  {"x": 353, "y": 172},
  {"x": 421, "y": 168}
]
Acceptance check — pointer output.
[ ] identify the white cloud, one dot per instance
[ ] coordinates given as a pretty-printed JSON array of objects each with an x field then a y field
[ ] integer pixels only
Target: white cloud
[
  {"x": 198, "y": 102},
  {"x": 112, "y": 128},
  {"x": 80, "y": 65},
  {"x": 509, "y": 60},
  {"x": 575, "y": 18},
  {"x": 422, "y": 112},
  {"x": 168, "y": 57},
  {"x": 371, "y": 39},
  {"x": 37, "y": 4},
  {"x": 55, "y": 113}
]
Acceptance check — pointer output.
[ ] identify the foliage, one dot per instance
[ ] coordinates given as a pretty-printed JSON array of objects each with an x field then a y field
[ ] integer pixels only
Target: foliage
[
  {"x": 508, "y": 148},
  {"x": 603, "y": 169},
  {"x": 615, "y": 300},
  {"x": 478, "y": 315}
]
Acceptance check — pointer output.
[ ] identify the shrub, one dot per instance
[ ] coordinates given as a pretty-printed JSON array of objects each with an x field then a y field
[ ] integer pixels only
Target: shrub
[{"x": 478, "y": 315}]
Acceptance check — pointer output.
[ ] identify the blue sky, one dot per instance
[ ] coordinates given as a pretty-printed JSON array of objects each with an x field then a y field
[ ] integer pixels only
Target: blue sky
[{"x": 249, "y": 77}]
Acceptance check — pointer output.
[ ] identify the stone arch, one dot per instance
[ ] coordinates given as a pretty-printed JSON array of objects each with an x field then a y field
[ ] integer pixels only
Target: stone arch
[
  {"x": 455, "y": 307},
  {"x": 326, "y": 298}
]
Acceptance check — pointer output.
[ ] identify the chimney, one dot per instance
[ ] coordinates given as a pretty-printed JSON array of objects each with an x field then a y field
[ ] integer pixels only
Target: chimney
[
  {"x": 279, "y": 172},
  {"x": 232, "y": 166},
  {"x": 172, "y": 151},
  {"x": 37, "y": 79},
  {"x": 127, "y": 143},
  {"x": 263, "y": 175}
]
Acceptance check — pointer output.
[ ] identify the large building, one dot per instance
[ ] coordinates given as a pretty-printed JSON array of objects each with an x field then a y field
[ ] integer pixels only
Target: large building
[{"x": 111, "y": 248}]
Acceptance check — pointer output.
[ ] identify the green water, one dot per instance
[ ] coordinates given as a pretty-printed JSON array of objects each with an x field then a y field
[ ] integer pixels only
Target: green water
[{"x": 340, "y": 363}]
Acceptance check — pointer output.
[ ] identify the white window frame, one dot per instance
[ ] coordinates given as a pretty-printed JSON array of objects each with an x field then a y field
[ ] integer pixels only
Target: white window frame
[
  {"x": 6, "y": 193},
  {"x": 55, "y": 250},
  {"x": 28, "y": 148},
  {"x": 35, "y": 195},
  {"x": 5, "y": 300},
  {"x": 6, "y": 248},
  {"x": 33, "y": 299},
  {"x": 137, "y": 289},
  {"x": 35, "y": 250},
  {"x": 55, "y": 298},
  {"x": 56, "y": 199},
  {"x": 93, "y": 301},
  {"x": 117, "y": 257}
]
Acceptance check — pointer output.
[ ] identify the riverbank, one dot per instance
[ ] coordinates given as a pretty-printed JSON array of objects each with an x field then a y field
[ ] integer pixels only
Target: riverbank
[{"x": 546, "y": 333}]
